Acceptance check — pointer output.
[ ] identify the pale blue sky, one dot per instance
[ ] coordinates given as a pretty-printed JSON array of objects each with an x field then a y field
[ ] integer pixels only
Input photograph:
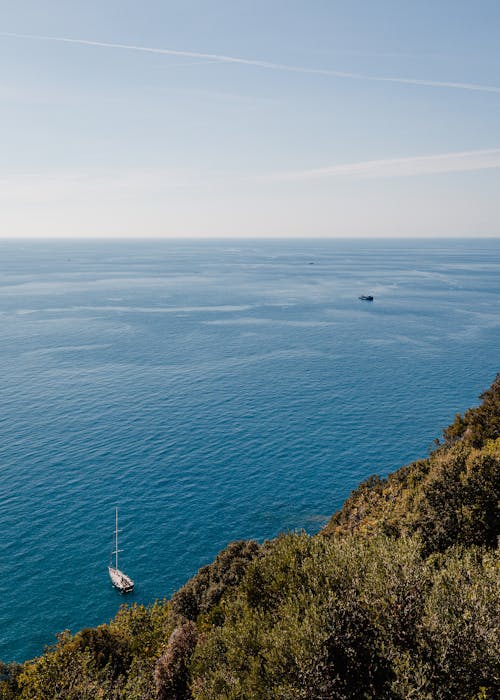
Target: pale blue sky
[{"x": 263, "y": 118}]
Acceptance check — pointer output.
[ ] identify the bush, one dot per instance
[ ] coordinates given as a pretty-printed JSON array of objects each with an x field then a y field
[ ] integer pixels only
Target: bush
[
  {"x": 171, "y": 671},
  {"x": 480, "y": 424},
  {"x": 206, "y": 589}
]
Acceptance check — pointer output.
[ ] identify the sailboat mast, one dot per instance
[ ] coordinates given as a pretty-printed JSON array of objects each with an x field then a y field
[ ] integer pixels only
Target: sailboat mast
[
  {"x": 118, "y": 578},
  {"x": 116, "y": 532}
]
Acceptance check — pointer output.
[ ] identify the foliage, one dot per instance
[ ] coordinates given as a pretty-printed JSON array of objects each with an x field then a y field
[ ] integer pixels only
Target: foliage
[
  {"x": 355, "y": 618},
  {"x": 8, "y": 680},
  {"x": 480, "y": 424},
  {"x": 451, "y": 497},
  {"x": 397, "y": 598},
  {"x": 203, "y": 592},
  {"x": 171, "y": 672}
]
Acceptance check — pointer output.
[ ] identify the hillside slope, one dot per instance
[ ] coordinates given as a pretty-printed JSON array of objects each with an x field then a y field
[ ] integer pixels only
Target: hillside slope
[
  {"x": 450, "y": 498},
  {"x": 398, "y": 597}
]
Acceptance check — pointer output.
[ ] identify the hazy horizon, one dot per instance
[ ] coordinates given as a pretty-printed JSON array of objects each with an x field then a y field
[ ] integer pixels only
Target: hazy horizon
[{"x": 236, "y": 238}]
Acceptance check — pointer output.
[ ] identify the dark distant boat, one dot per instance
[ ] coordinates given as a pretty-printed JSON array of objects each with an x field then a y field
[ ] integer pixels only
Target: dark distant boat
[
  {"x": 119, "y": 580},
  {"x": 366, "y": 297}
]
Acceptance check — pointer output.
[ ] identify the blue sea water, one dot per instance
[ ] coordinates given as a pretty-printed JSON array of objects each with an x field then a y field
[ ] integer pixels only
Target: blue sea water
[{"x": 213, "y": 391}]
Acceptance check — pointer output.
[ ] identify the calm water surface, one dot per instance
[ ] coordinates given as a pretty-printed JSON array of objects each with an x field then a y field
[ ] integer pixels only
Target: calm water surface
[{"x": 213, "y": 391}]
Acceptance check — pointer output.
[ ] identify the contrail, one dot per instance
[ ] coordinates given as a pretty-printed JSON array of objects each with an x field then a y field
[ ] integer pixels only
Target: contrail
[
  {"x": 461, "y": 161},
  {"x": 221, "y": 58}
]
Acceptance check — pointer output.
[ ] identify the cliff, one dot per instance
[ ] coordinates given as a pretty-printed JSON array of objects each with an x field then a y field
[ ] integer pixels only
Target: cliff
[{"x": 396, "y": 598}]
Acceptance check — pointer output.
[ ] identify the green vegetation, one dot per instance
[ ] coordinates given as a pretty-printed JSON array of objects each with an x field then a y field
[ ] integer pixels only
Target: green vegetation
[
  {"x": 397, "y": 598},
  {"x": 450, "y": 498}
]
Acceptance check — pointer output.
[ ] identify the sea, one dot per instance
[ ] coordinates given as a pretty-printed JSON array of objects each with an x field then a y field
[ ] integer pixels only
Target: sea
[{"x": 213, "y": 391}]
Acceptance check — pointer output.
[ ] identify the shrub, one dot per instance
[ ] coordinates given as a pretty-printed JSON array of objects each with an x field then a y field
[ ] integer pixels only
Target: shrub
[
  {"x": 171, "y": 671},
  {"x": 206, "y": 589}
]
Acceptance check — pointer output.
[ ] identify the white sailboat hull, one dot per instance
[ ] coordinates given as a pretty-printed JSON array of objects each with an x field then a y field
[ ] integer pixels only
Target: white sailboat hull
[{"x": 120, "y": 580}]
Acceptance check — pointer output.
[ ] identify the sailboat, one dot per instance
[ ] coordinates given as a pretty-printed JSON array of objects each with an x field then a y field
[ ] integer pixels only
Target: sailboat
[{"x": 119, "y": 580}]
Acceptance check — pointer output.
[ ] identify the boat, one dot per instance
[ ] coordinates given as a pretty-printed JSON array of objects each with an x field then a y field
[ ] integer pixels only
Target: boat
[
  {"x": 119, "y": 580},
  {"x": 366, "y": 297}
]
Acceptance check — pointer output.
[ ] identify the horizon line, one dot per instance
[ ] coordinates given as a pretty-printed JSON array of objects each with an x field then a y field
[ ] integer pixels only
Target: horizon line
[{"x": 261, "y": 238}]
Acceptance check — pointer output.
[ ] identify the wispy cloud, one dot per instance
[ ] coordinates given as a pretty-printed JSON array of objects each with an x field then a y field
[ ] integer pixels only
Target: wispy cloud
[
  {"x": 222, "y": 58},
  {"x": 49, "y": 188},
  {"x": 400, "y": 167}
]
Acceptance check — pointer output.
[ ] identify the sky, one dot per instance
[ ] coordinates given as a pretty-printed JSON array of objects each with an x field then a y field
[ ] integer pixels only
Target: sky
[{"x": 231, "y": 118}]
